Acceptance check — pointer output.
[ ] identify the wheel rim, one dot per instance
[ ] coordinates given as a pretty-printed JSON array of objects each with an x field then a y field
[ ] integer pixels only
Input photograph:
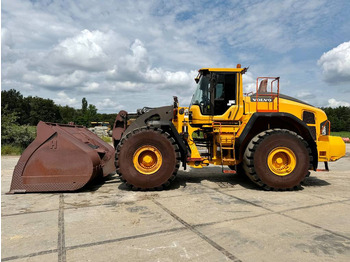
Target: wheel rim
[
  {"x": 147, "y": 160},
  {"x": 281, "y": 161}
]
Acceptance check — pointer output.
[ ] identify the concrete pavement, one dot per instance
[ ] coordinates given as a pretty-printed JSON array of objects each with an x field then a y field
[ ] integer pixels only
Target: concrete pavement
[{"x": 204, "y": 216}]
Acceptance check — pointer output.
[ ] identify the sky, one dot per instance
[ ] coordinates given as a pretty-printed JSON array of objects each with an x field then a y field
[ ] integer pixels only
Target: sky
[{"x": 124, "y": 55}]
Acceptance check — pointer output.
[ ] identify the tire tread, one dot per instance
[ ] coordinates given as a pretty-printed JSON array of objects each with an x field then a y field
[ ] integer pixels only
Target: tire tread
[
  {"x": 166, "y": 136},
  {"x": 248, "y": 158}
]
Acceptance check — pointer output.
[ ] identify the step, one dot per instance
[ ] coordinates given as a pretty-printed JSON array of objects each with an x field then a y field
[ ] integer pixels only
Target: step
[{"x": 229, "y": 171}]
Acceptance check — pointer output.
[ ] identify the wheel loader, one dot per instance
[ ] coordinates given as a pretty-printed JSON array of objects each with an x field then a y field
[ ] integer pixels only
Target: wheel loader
[{"x": 272, "y": 138}]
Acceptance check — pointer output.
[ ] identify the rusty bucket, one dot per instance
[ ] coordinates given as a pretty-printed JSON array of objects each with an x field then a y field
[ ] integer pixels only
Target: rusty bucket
[{"x": 62, "y": 158}]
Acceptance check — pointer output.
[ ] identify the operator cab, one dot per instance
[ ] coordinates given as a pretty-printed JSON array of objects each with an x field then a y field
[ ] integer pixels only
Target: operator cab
[{"x": 216, "y": 91}]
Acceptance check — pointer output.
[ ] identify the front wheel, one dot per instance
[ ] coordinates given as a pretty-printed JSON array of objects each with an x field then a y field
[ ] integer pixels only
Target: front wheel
[
  {"x": 147, "y": 159},
  {"x": 277, "y": 159}
]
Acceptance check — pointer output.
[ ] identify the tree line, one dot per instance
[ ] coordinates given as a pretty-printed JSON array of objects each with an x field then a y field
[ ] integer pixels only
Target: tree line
[
  {"x": 20, "y": 115},
  {"x": 30, "y": 110},
  {"x": 339, "y": 118}
]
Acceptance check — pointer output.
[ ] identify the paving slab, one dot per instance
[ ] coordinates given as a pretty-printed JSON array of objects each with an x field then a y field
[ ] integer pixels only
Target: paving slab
[
  {"x": 28, "y": 233},
  {"x": 209, "y": 207},
  {"x": 334, "y": 217},
  {"x": 101, "y": 223},
  {"x": 114, "y": 192},
  {"x": 27, "y": 203},
  {"x": 278, "y": 201},
  {"x": 174, "y": 246},
  {"x": 331, "y": 185},
  {"x": 9, "y": 162},
  {"x": 6, "y": 177},
  {"x": 277, "y": 238},
  {"x": 40, "y": 258}
]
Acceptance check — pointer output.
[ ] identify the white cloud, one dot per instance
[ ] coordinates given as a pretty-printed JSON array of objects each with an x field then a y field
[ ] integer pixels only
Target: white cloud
[
  {"x": 91, "y": 87},
  {"x": 55, "y": 82},
  {"x": 334, "y": 103},
  {"x": 304, "y": 95},
  {"x": 335, "y": 64},
  {"x": 84, "y": 50},
  {"x": 249, "y": 83},
  {"x": 109, "y": 104},
  {"x": 135, "y": 68},
  {"x": 6, "y": 38},
  {"x": 139, "y": 58},
  {"x": 144, "y": 52},
  {"x": 7, "y": 44},
  {"x": 63, "y": 99}
]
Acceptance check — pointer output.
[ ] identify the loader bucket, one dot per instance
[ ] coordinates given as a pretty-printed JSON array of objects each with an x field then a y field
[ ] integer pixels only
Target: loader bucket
[{"x": 62, "y": 158}]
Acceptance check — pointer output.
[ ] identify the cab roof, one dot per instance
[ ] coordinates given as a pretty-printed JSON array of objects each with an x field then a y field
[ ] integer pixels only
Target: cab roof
[{"x": 224, "y": 69}]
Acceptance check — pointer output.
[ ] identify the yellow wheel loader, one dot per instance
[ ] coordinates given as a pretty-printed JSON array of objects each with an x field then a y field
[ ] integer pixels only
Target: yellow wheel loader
[{"x": 273, "y": 138}]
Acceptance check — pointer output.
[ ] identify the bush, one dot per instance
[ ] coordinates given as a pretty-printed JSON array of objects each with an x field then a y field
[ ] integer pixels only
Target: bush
[
  {"x": 14, "y": 135},
  {"x": 11, "y": 150}
]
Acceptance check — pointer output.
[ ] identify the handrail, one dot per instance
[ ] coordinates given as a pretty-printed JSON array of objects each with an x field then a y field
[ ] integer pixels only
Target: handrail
[
  {"x": 271, "y": 94},
  {"x": 329, "y": 126}
]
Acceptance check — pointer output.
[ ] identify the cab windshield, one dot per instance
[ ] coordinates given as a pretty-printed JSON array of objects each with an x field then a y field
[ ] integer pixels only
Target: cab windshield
[{"x": 201, "y": 97}]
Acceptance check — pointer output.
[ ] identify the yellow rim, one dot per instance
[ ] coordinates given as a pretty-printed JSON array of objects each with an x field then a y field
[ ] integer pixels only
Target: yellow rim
[
  {"x": 147, "y": 160},
  {"x": 282, "y": 161}
]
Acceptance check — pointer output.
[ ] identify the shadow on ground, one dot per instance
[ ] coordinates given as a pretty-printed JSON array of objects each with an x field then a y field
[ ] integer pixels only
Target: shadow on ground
[
  {"x": 212, "y": 174},
  {"x": 313, "y": 181},
  {"x": 197, "y": 176},
  {"x": 100, "y": 181}
]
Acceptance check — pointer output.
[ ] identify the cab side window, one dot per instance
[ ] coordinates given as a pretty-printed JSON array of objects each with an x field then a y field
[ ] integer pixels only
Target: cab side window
[
  {"x": 219, "y": 91},
  {"x": 225, "y": 93}
]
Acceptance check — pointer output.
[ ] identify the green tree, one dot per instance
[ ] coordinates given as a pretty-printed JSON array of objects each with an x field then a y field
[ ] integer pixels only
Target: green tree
[
  {"x": 92, "y": 113},
  {"x": 87, "y": 114},
  {"x": 43, "y": 110},
  {"x": 30, "y": 110},
  {"x": 339, "y": 118},
  {"x": 84, "y": 105},
  {"x": 68, "y": 114},
  {"x": 14, "y": 102}
]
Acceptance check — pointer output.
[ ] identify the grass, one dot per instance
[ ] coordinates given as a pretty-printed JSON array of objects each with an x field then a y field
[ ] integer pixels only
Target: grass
[
  {"x": 11, "y": 150},
  {"x": 106, "y": 139},
  {"x": 341, "y": 134}
]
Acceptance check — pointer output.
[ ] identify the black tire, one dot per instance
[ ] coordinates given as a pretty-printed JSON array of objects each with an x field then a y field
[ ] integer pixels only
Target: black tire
[
  {"x": 255, "y": 160},
  {"x": 147, "y": 137}
]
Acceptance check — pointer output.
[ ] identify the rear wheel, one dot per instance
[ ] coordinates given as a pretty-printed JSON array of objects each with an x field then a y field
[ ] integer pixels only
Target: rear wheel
[
  {"x": 277, "y": 159},
  {"x": 147, "y": 159}
]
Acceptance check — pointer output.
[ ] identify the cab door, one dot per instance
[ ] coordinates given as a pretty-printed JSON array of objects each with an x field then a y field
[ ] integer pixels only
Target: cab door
[
  {"x": 218, "y": 98},
  {"x": 224, "y": 94}
]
